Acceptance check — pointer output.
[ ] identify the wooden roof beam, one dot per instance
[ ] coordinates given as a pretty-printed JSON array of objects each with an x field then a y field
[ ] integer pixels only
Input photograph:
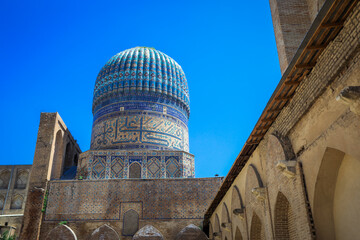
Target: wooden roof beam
[
  {"x": 316, "y": 47},
  {"x": 304, "y": 66},
  {"x": 283, "y": 98},
  {"x": 292, "y": 83},
  {"x": 263, "y": 127},
  {"x": 258, "y": 135},
  {"x": 269, "y": 119},
  {"x": 333, "y": 24}
]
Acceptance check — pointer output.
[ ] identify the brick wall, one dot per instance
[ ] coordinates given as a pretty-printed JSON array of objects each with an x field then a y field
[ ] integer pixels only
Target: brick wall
[
  {"x": 159, "y": 202},
  {"x": 312, "y": 122},
  {"x": 291, "y": 21}
]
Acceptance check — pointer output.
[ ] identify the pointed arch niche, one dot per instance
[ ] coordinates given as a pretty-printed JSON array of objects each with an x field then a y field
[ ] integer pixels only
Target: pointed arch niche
[
  {"x": 135, "y": 170},
  {"x": 58, "y": 156},
  {"x": 284, "y": 219},
  {"x": 257, "y": 229},
  {"x": 337, "y": 190}
]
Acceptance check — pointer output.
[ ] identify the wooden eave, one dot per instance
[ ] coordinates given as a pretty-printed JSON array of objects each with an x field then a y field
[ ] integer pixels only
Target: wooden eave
[{"x": 325, "y": 28}]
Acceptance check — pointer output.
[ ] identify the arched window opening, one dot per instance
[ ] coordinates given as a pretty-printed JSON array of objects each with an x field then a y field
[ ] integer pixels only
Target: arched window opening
[
  {"x": 17, "y": 202},
  {"x": 21, "y": 179},
  {"x": 135, "y": 170},
  {"x": 4, "y": 179}
]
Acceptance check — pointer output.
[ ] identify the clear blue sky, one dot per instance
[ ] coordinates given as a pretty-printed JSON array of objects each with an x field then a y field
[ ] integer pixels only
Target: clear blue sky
[{"x": 52, "y": 51}]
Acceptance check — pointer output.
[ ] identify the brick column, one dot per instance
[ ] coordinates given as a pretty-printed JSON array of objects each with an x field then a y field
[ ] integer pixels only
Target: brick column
[{"x": 39, "y": 177}]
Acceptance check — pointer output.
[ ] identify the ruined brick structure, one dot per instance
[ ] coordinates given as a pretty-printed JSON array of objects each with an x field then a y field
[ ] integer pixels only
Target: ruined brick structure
[{"x": 297, "y": 177}]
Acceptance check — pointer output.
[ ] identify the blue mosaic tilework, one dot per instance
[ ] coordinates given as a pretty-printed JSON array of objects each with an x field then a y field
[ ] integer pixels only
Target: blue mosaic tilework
[
  {"x": 173, "y": 167},
  {"x": 105, "y": 199},
  {"x": 110, "y": 164},
  {"x": 141, "y": 101},
  {"x": 98, "y": 167},
  {"x": 139, "y": 105},
  {"x": 141, "y": 70},
  {"x": 117, "y": 166},
  {"x": 139, "y": 131},
  {"x": 154, "y": 167}
]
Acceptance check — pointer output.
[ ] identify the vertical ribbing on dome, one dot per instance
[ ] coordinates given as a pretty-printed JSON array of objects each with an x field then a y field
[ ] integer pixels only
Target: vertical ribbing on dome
[
  {"x": 132, "y": 71},
  {"x": 146, "y": 72},
  {"x": 152, "y": 71},
  {"x": 171, "y": 77},
  {"x": 138, "y": 72},
  {"x": 163, "y": 74},
  {"x": 179, "y": 90},
  {"x": 122, "y": 72},
  {"x": 157, "y": 72},
  {"x": 127, "y": 78}
]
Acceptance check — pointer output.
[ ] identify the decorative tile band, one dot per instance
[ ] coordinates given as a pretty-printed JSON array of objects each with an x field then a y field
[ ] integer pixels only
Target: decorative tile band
[
  {"x": 113, "y": 164},
  {"x": 139, "y": 130},
  {"x": 120, "y": 107}
]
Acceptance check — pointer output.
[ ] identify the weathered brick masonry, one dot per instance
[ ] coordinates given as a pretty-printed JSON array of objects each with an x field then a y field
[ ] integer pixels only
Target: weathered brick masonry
[
  {"x": 301, "y": 182},
  {"x": 159, "y": 202}
]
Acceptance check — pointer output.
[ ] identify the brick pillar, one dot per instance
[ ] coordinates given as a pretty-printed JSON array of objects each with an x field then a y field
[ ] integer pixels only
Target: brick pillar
[
  {"x": 39, "y": 177},
  {"x": 291, "y": 22}
]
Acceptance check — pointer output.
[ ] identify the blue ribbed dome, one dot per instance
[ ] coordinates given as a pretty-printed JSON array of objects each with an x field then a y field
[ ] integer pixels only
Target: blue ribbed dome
[
  {"x": 140, "y": 73},
  {"x": 141, "y": 101}
]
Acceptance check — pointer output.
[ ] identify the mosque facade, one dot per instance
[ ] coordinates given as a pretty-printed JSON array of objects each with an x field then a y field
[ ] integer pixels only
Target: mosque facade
[
  {"x": 296, "y": 177},
  {"x": 137, "y": 180}
]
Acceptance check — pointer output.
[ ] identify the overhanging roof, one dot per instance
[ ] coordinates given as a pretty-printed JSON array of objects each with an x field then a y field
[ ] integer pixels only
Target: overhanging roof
[{"x": 323, "y": 30}]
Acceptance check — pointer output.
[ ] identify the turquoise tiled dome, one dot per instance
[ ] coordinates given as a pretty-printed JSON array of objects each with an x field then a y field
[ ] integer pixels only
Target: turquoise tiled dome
[
  {"x": 141, "y": 101},
  {"x": 141, "y": 73}
]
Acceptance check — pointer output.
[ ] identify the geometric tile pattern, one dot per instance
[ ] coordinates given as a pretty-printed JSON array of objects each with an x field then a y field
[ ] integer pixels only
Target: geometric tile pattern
[
  {"x": 117, "y": 166},
  {"x": 154, "y": 167},
  {"x": 173, "y": 168},
  {"x": 114, "y": 164},
  {"x": 104, "y": 199},
  {"x": 98, "y": 167}
]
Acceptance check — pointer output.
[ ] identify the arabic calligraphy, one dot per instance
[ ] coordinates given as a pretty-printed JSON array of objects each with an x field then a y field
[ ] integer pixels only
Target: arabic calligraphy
[{"x": 140, "y": 130}]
